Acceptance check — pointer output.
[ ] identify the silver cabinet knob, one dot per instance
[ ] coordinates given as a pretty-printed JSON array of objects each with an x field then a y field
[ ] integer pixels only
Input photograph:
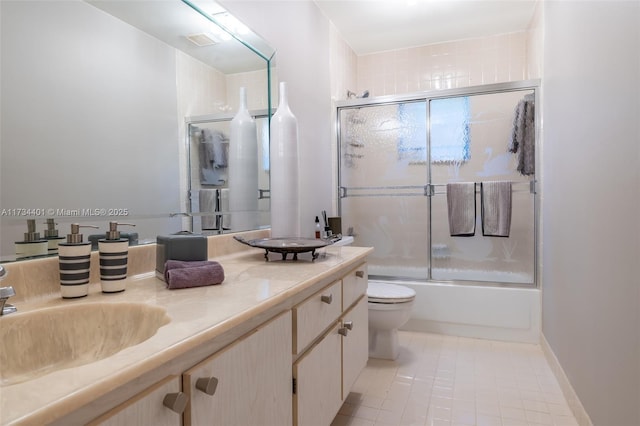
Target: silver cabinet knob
[
  {"x": 343, "y": 330},
  {"x": 360, "y": 274},
  {"x": 207, "y": 385},
  {"x": 176, "y": 402},
  {"x": 327, "y": 299},
  {"x": 348, "y": 325}
]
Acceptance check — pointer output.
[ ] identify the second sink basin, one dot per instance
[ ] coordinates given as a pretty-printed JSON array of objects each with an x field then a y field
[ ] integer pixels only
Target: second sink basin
[{"x": 36, "y": 343}]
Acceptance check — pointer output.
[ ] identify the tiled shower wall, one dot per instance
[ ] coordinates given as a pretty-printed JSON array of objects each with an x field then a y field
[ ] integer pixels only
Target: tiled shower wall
[
  {"x": 495, "y": 59},
  {"x": 450, "y": 65}
]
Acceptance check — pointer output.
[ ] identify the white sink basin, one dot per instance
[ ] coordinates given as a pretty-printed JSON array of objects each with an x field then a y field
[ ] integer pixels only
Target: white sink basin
[{"x": 36, "y": 343}]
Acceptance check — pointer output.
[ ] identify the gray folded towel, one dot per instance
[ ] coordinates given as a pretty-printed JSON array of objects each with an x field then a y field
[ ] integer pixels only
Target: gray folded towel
[
  {"x": 496, "y": 208},
  {"x": 461, "y": 203},
  {"x": 185, "y": 274}
]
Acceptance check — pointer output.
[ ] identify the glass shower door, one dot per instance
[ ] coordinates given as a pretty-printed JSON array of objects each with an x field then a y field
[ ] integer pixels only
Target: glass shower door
[
  {"x": 470, "y": 137},
  {"x": 383, "y": 173},
  {"x": 396, "y": 159}
]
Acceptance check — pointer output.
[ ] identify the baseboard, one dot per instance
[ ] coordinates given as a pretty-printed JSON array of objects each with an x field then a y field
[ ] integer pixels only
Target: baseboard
[{"x": 570, "y": 395}]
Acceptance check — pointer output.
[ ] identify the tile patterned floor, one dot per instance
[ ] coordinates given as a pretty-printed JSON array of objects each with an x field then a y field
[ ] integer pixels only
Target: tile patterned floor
[{"x": 449, "y": 381}]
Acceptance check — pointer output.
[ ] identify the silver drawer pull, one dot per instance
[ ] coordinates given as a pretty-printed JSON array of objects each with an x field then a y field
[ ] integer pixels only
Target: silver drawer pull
[
  {"x": 343, "y": 331},
  {"x": 360, "y": 274},
  {"x": 348, "y": 325},
  {"x": 176, "y": 402},
  {"x": 207, "y": 385},
  {"x": 327, "y": 299}
]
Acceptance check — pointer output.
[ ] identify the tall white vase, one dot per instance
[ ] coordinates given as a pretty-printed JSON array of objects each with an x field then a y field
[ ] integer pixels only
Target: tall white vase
[
  {"x": 283, "y": 159},
  {"x": 243, "y": 168}
]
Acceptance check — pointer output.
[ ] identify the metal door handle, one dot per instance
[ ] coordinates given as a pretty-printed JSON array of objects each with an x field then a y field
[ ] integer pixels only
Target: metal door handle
[
  {"x": 327, "y": 299},
  {"x": 348, "y": 325},
  {"x": 360, "y": 274}
]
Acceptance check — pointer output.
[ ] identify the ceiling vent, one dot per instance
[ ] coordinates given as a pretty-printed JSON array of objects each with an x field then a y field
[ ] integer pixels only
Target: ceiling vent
[{"x": 203, "y": 39}]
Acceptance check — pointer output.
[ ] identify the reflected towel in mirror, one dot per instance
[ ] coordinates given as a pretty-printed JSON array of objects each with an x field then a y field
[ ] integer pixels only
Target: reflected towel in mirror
[{"x": 209, "y": 202}]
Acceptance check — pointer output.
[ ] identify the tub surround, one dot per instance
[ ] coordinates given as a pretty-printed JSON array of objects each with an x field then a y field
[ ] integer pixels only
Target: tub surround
[
  {"x": 498, "y": 313},
  {"x": 203, "y": 320}
]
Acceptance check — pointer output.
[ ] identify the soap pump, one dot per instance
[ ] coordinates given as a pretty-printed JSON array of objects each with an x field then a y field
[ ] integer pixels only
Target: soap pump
[
  {"x": 114, "y": 253},
  {"x": 51, "y": 235},
  {"x": 32, "y": 245},
  {"x": 74, "y": 258}
]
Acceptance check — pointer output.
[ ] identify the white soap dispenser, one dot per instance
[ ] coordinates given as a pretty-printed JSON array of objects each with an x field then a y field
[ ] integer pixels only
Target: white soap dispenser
[
  {"x": 74, "y": 259},
  {"x": 51, "y": 235},
  {"x": 114, "y": 254},
  {"x": 32, "y": 245}
]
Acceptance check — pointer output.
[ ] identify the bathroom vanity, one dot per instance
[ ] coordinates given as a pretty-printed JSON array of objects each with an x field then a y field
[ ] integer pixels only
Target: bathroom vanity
[{"x": 278, "y": 343}]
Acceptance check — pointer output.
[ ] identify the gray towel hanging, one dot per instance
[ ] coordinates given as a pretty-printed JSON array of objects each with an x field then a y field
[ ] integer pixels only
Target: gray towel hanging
[
  {"x": 461, "y": 204},
  {"x": 496, "y": 208}
]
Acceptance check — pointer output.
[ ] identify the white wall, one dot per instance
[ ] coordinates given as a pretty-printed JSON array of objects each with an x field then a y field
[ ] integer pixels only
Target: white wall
[
  {"x": 591, "y": 205},
  {"x": 301, "y": 36}
]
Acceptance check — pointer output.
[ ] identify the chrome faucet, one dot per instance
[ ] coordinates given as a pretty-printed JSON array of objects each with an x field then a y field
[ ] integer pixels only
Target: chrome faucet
[{"x": 5, "y": 294}]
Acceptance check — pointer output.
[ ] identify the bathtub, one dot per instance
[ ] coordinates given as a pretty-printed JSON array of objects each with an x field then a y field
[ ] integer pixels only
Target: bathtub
[{"x": 482, "y": 311}]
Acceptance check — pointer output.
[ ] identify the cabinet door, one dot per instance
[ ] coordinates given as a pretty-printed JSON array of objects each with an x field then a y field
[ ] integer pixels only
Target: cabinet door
[
  {"x": 148, "y": 407},
  {"x": 318, "y": 382},
  {"x": 355, "y": 344},
  {"x": 354, "y": 285},
  {"x": 247, "y": 383}
]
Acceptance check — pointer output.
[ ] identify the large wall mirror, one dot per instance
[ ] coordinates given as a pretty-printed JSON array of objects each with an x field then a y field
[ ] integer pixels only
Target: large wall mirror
[{"x": 97, "y": 107}]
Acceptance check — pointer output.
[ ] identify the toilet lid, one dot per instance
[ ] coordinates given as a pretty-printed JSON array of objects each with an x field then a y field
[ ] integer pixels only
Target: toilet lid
[{"x": 389, "y": 293}]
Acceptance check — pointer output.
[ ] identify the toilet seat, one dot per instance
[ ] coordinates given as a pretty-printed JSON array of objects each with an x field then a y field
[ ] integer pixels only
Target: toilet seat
[{"x": 389, "y": 293}]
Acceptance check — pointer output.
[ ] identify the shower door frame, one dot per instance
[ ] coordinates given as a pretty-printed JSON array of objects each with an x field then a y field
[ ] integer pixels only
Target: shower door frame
[{"x": 427, "y": 96}]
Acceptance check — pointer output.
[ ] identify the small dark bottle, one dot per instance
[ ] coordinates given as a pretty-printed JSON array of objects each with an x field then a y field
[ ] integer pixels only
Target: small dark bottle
[{"x": 318, "y": 228}]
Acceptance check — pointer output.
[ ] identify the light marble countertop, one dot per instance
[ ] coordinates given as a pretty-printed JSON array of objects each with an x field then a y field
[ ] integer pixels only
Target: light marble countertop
[{"x": 252, "y": 289}]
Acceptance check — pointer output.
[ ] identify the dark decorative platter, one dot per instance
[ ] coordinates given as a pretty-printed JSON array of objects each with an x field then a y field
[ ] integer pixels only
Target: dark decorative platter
[{"x": 285, "y": 246}]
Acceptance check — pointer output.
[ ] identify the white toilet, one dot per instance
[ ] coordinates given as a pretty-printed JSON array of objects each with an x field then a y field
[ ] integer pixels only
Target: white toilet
[{"x": 389, "y": 309}]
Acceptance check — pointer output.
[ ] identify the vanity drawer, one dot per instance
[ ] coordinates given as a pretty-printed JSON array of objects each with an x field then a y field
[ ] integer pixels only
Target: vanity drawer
[
  {"x": 354, "y": 285},
  {"x": 314, "y": 315}
]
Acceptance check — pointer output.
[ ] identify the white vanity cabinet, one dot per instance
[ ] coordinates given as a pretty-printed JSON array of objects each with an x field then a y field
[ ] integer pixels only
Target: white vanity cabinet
[
  {"x": 160, "y": 405},
  {"x": 325, "y": 371},
  {"x": 246, "y": 383},
  {"x": 277, "y": 344}
]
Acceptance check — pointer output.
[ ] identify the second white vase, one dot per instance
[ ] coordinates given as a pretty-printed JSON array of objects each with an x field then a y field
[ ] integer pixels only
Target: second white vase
[
  {"x": 243, "y": 168},
  {"x": 283, "y": 158}
]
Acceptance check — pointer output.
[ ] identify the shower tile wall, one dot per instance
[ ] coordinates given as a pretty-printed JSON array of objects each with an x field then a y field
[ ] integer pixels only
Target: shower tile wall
[
  {"x": 455, "y": 64},
  {"x": 343, "y": 66}
]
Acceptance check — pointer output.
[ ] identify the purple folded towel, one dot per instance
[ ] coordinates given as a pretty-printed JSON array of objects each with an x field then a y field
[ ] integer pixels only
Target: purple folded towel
[{"x": 183, "y": 274}]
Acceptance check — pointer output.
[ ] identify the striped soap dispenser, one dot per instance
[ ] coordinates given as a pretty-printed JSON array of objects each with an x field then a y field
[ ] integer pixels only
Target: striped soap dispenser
[
  {"x": 114, "y": 254},
  {"x": 74, "y": 259}
]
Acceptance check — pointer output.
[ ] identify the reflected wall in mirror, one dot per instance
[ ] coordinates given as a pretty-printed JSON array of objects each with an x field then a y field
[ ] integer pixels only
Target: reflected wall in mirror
[{"x": 94, "y": 100}]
